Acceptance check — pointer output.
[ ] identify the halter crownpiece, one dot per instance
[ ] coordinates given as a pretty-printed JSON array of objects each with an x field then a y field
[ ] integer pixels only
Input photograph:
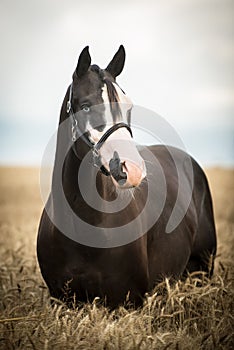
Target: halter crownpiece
[{"x": 75, "y": 130}]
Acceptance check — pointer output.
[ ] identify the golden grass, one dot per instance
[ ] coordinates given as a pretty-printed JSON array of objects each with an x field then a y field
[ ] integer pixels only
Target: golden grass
[{"x": 195, "y": 314}]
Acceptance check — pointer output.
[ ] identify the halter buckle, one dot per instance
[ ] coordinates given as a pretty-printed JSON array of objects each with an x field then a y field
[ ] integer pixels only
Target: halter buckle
[
  {"x": 97, "y": 162},
  {"x": 95, "y": 153}
]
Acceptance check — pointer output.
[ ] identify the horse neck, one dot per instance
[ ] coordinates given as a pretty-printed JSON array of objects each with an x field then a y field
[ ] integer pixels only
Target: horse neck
[
  {"x": 64, "y": 203},
  {"x": 93, "y": 180}
]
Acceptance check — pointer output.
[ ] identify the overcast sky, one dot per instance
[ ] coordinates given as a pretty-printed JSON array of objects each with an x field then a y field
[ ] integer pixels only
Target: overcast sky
[{"x": 179, "y": 63}]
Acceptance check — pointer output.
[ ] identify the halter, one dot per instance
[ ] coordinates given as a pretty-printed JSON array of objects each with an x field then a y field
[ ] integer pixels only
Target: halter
[{"x": 77, "y": 133}]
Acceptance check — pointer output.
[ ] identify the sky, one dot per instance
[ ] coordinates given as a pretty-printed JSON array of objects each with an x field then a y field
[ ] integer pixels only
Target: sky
[{"x": 179, "y": 64}]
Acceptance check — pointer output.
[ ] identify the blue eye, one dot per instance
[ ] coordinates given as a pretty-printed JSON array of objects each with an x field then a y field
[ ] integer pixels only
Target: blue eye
[{"x": 86, "y": 109}]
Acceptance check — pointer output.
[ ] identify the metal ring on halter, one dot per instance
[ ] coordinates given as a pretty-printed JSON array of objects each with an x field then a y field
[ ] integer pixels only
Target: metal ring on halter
[
  {"x": 69, "y": 100},
  {"x": 74, "y": 129}
]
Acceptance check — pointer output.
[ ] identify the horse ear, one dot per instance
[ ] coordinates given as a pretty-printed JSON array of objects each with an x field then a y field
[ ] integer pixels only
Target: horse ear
[
  {"x": 116, "y": 65},
  {"x": 83, "y": 62}
]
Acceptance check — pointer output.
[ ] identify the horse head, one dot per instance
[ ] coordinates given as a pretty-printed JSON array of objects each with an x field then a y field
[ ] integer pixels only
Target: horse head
[{"x": 100, "y": 113}]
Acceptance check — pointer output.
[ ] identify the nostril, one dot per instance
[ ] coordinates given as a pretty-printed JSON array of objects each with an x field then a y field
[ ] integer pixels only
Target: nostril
[
  {"x": 116, "y": 169},
  {"x": 123, "y": 167},
  {"x": 100, "y": 128}
]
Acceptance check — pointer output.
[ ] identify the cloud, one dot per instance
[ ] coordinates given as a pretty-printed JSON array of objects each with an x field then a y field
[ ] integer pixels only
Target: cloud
[{"x": 179, "y": 56}]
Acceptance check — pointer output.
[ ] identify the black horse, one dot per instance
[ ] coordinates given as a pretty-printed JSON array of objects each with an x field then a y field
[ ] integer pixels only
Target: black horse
[{"x": 119, "y": 218}]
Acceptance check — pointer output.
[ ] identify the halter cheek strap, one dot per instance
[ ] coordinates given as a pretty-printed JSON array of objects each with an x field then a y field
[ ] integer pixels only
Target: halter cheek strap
[{"x": 77, "y": 133}]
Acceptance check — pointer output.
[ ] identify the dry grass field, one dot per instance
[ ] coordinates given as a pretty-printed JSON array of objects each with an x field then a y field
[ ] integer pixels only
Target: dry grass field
[{"x": 195, "y": 314}]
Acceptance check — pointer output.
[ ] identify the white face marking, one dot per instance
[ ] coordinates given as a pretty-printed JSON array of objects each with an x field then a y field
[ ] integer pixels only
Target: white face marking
[
  {"x": 124, "y": 103},
  {"x": 105, "y": 95},
  {"x": 95, "y": 135}
]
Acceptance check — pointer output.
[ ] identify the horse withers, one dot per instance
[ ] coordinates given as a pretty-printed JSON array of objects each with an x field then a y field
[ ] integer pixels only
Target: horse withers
[{"x": 119, "y": 218}]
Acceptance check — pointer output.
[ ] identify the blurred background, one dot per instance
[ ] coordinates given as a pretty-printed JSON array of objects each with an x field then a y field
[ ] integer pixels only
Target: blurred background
[{"x": 179, "y": 64}]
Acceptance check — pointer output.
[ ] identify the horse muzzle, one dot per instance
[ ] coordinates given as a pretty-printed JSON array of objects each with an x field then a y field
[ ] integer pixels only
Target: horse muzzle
[{"x": 126, "y": 174}]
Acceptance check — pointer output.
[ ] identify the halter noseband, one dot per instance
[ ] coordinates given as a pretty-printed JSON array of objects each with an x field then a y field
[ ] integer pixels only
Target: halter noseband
[{"x": 94, "y": 147}]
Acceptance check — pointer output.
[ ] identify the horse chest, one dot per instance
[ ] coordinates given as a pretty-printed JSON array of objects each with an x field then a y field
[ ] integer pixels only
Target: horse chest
[{"x": 106, "y": 273}]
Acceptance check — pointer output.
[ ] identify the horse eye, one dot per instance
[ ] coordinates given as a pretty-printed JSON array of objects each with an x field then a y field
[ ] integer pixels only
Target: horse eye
[{"x": 85, "y": 108}]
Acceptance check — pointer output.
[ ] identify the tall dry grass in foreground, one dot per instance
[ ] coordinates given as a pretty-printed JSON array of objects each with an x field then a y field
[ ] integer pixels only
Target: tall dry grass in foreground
[{"x": 194, "y": 314}]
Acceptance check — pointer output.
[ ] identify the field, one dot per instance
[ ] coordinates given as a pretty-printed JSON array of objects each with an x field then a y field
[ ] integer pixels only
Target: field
[{"x": 195, "y": 314}]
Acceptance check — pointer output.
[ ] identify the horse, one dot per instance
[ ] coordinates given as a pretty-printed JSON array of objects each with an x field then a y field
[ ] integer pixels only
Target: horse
[{"x": 119, "y": 217}]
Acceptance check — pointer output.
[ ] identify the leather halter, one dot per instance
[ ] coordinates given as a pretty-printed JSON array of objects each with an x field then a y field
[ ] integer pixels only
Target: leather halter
[{"x": 77, "y": 133}]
